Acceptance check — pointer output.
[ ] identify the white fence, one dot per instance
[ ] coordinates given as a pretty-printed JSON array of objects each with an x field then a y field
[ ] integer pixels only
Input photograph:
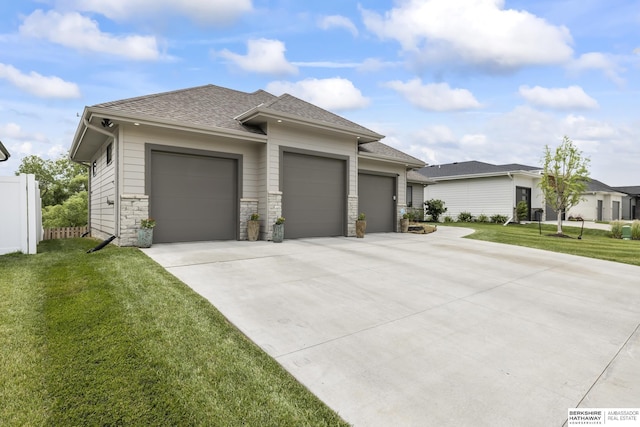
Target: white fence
[{"x": 20, "y": 214}]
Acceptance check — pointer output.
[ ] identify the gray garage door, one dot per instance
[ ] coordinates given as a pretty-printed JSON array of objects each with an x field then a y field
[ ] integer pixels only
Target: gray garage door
[
  {"x": 313, "y": 196},
  {"x": 375, "y": 199},
  {"x": 193, "y": 197}
]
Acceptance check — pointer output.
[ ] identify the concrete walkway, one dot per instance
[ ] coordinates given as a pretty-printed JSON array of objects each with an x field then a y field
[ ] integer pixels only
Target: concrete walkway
[{"x": 415, "y": 330}]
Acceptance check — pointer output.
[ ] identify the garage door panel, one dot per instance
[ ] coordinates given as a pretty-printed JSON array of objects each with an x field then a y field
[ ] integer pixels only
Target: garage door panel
[
  {"x": 314, "y": 195},
  {"x": 193, "y": 198},
  {"x": 375, "y": 199}
]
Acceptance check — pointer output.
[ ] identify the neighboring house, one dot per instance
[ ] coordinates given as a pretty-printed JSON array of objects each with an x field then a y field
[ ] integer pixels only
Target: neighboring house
[
  {"x": 483, "y": 188},
  {"x": 600, "y": 203},
  {"x": 201, "y": 160},
  {"x": 4, "y": 154},
  {"x": 630, "y": 201},
  {"x": 416, "y": 185}
]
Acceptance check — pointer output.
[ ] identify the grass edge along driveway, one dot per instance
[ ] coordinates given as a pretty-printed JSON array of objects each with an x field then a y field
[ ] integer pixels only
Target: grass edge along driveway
[
  {"x": 111, "y": 338},
  {"x": 595, "y": 243}
]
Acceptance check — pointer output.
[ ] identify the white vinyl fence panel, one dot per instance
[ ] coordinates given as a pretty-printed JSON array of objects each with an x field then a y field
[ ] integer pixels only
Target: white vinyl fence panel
[{"x": 20, "y": 214}]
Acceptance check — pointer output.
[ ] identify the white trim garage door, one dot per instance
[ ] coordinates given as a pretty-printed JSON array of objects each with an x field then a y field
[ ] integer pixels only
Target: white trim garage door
[
  {"x": 313, "y": 195},
  {"x": 376, "y": 195},
  {"x": 193, "y": 197}
]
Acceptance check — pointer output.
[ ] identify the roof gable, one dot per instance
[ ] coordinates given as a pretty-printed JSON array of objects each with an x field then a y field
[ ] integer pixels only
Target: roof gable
[
  {"x": 291, "y": 105},
  {"x": 385, "y": 152}
]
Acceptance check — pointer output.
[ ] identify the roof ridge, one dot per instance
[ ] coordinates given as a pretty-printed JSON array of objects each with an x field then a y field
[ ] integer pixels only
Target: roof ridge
[
  {"x": 153, "y": 95},
  {"x": 176, "y": 91}
]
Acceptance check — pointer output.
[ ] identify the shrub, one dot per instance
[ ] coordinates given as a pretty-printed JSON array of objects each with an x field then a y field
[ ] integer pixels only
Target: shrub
[
  {"x": 616, "y": 229},
  {"x": 415, "y": 214},
  {"x": 465, "y": 217},
  {"x": 522, "y": 210},
  {"x": 482, "y": 218},
  {"x": 499, "y": 219},
  {"x": 435, "y": 208},
  {"x": 635, "y": 230},
  {"x": 448, "y": 219}
]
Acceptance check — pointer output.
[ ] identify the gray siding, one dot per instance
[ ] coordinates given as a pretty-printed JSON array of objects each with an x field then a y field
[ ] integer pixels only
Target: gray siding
[{"x": 102, "y": 188}]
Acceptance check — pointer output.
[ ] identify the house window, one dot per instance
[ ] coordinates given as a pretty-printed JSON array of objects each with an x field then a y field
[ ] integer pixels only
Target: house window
[
  {"x": 409, "y": 196},
  {"x": 109, "y": 153},
  {"x": 94, "y": 167}
]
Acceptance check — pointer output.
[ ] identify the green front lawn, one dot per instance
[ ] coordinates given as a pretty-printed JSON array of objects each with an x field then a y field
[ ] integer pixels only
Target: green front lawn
[
  {"x": 111, "y": 338},
  {"x": 594, "y": 243}
]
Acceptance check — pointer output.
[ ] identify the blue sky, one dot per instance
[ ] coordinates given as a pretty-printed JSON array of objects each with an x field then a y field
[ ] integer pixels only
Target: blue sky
[{"x": 444, "y": 80}]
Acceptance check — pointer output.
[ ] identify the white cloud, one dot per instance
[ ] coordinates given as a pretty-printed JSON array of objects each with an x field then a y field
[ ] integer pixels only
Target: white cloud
[
  {"x": 79, "y": 32},
  {"x": 57, "y": 151},
  {"x": 572, "y": 97},
  {"x": 376, "y": 64},
  {"x": 434, "y": 96},
  {"x": 11, "y": 130},
  {"x": 471, "y": 32},
  {"x": 436, "y": 134},
  {"x": 39, "y": 85},
  {"x": 263, "y": 56},
  {"x": 217, "y": 12},
  {"x": 338, "y": 21},
  {"x": 333, "y": 94},
  {"x": 583, "y": 128},
  {"x": 473, "y": 141},
  {"x": 597, "y": 61},
  {"x": 327, "y": 64}
]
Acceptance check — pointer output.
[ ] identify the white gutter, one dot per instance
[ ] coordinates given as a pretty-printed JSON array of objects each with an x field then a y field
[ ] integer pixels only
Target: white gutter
[{"x": 96, "y": 128}]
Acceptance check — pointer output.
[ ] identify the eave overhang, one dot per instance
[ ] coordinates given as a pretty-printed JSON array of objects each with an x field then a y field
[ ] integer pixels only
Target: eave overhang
[
  {"x": 529, "y": 174},
  {"x": 387, "y": 159},
  {"x": 87, "y": 141}
]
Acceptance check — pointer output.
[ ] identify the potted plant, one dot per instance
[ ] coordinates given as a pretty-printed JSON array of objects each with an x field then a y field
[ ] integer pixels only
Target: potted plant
[
  {"x": 361, "y": 225},
  {"x": 145, "y": 233},
  {"x": 278, "y": 230},
  {"x": 404, "y": 222},
  {"x": 253, "y": 227}
]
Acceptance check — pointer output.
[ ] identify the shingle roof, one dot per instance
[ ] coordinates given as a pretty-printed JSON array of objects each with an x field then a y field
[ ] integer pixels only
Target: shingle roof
[
  {"x": 208, "y": 105},
  {"x": 295, "y": 106},
  {"x": 595, "y": 185},
  {"x": 633, "y": 190},
  {"x": 414, "y": 176},
  {"x": 377, "y": 148},
  {"x": 471, "y": 168},
  {"x": 217, "y": 106}
]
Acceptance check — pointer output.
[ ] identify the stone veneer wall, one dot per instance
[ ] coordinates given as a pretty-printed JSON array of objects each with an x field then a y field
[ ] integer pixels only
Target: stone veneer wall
[
  {"x": 133, "y": 209},
  {"x": 274, "y": 210},
  {"x": 247, "y": 208},
  {"x": 352, "y": 215},
  {"x": 400, "y": 210}
]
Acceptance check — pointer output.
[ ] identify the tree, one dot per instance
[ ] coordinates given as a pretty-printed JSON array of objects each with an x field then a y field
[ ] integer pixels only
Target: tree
[
  {"x": 59, "y": 179},
  {"x": 435, "y": 208},
  {"x": 564, "y": 178},
  {"x": 72, "y": 212}
]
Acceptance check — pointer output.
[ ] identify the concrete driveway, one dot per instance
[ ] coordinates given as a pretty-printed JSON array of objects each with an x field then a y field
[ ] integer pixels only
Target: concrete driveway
[{"x": 405, "y": 329}]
